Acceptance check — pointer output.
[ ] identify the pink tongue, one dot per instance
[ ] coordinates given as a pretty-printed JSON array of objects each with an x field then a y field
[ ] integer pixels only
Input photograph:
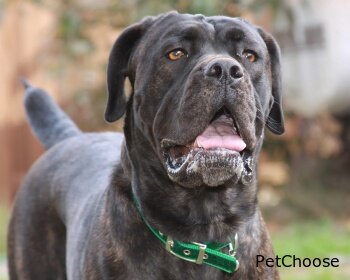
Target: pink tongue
[{"x": 220, "y": 134}]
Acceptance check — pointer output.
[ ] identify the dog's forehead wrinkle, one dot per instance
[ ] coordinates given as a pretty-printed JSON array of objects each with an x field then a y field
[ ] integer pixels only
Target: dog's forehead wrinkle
[
  {"x": 235, "y": 34},
  {"x": 237, "y": 29},
  {"x": 189, "y": 30},
  {"x": 223, "y": 23}
]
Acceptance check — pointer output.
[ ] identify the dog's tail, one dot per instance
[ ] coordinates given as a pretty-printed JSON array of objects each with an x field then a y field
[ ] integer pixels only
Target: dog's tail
[{"x": 48, "y": 122}]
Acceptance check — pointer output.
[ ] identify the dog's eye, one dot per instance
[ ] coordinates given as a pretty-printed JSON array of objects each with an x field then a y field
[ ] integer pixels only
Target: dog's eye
[
  {"x": 250, "y": 55},
  {"x": 177, "y": 54}
]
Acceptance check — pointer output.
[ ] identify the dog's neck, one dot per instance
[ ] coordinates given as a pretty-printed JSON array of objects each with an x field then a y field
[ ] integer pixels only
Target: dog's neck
[
  {"x": 252, "y": 235},
  {"x": 200, "y": 214}
]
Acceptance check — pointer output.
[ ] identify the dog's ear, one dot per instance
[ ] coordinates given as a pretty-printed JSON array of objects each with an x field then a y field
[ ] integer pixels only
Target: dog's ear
[
  {"x": 118, "y": 65},
  {"x": 275, "y": 120}
]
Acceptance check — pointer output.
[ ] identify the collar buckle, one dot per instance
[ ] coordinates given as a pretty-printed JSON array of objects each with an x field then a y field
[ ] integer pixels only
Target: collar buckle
[
  {"x": 201, "y": 255},
  {"x": 169, "y": 245}
]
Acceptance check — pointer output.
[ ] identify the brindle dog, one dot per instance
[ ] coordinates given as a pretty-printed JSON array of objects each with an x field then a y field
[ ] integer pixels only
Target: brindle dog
[{"x": 203, "y": 90}]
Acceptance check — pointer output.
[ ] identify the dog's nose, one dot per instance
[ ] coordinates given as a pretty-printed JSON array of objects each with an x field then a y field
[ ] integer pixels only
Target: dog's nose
[{"x": 228, "y": 68}]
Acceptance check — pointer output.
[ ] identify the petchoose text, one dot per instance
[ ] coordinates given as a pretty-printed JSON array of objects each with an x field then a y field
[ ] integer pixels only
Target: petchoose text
[{"x": 293, "y": 261}]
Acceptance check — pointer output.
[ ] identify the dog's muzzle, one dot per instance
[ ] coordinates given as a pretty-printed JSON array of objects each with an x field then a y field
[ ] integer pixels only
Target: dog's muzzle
[{"x": 217, "y": 155}]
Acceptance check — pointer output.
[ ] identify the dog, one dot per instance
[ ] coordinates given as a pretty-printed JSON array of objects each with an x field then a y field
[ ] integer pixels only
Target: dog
[{"x": 175, "y": 197}]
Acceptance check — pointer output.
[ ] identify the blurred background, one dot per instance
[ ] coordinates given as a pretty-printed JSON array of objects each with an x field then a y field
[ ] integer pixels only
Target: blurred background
[{"x": 304, "y": 189}]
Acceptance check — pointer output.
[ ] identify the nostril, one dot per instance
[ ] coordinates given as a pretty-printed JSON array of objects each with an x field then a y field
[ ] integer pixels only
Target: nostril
[
  {"x": 236, "y": 72},
  {"x": 215, "y": 71}
]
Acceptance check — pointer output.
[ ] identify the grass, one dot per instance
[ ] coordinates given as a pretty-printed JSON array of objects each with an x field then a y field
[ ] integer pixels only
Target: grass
[
  {"x": 4, "y": 217},
  {"x": 314, "y": 239},
  {"x": 314, "y": 273}
]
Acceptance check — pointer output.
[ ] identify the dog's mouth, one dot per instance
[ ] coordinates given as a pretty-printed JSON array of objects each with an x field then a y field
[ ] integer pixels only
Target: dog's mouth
[{"x": 215, "y": 156}]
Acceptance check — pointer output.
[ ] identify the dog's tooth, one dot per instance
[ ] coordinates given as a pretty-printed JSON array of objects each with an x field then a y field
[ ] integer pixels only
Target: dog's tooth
[{"x": 199, "y": 145}]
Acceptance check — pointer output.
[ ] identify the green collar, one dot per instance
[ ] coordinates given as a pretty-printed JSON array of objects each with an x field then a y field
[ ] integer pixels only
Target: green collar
[{"x": 208, "y": 253}]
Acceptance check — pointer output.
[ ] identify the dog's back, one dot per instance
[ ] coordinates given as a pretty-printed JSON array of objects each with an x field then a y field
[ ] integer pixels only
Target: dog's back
[{"x": 60, "y": 182}]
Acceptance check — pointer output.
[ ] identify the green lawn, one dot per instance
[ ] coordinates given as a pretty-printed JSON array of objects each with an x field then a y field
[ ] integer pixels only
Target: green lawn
[{"x": 314, "y": 239}]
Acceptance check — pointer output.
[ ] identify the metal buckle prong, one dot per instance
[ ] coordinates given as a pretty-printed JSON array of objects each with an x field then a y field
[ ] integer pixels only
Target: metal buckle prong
[
  {"x": 233, "y": 248},
  {"x": 201, "y": 253}
]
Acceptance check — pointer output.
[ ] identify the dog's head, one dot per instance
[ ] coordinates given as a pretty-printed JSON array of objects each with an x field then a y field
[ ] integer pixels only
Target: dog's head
[{"x": 204, "y": 88}]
